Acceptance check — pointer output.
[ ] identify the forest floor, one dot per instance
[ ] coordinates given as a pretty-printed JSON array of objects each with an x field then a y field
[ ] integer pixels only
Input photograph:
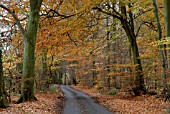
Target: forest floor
[
  {"x": 49, "y": 102},
  {"x": 127, "y": 103}
]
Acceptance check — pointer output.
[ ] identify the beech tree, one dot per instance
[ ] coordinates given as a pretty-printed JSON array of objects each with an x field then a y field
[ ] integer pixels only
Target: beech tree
[
  {"x": 167, "y": 33},
  {"x": 98, "y": 42},
  {"x": 127, "y": 22},
  {"x": 29, "y": 35},
  {"x": 162, "y": 47}
]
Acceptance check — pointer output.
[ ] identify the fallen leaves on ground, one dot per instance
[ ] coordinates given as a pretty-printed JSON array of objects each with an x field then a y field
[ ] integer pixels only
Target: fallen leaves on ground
[
  {"x": 125, "y": 103},
  {"x": 47, "y": 103}
]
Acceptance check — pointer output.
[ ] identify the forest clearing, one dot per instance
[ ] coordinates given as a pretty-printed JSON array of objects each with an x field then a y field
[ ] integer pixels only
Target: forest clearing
[{"x": 115, "y": 51}]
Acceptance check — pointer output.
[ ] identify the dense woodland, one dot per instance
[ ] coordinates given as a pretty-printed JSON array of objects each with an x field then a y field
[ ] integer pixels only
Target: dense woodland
[{"x": 106, "y": 44}]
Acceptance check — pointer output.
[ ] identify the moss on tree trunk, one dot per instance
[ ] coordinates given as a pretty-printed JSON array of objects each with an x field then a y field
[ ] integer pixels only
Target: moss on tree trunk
[{"x": 27, "y": 87}]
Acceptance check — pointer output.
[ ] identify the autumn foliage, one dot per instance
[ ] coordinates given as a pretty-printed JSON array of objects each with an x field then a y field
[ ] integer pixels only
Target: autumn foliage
[{"x": 107, "y": 45}]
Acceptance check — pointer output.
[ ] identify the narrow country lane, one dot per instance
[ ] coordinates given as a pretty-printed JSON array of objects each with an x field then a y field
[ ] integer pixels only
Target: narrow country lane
[{"x": 79, "y": 103}]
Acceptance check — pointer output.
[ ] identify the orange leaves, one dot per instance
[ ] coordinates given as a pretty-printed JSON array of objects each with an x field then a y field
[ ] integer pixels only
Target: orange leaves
[
  {"x": 48, "y": 102},
  {"x": 126, "y": 103},
  {"x": 64, "y": 38},
  {"x": 17, "y": 10}
]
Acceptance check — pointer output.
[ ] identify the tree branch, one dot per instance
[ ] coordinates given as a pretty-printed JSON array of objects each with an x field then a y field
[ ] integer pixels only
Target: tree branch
[
  {"x": 108, "y": 13},
  {"x": 142, "y": 12},
  {"x": 22, "y": 11},
  {"x": 138, "y": 30},
  {"x": 16, "y": 19},
  {"x": 71, "y": 39}
]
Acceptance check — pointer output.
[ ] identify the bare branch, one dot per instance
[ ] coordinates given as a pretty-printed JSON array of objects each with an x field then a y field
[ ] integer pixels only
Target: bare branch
[
  {"x": 108, "y": 13},
  {"x": 71, "y": 39},
  {"x": 139, "y": 29}
]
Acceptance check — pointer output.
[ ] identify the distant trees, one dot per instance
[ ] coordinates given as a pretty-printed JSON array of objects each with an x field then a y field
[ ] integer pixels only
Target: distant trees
[
  {"x": 3, "y": 96},
  {"x": 127, "y": 21},
  {"x": 162, "y": 47}
]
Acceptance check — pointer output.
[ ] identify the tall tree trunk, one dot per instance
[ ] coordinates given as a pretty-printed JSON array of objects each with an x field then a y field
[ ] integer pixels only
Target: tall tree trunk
[
  {"x": 94, "y": 37},
  {"x": 108, "y": 53},
  {"x": 167, "y": 33},
  {"x": 27, "y": 87},
  {"x": 162, "y": 47},
  {"x": 129, "y": 29},
  {"x": 167, "y": 17},
  {"x": 44, "y": 69},
  {"x": 139, "y": 81},
  {"x": 3, "y": 99}
]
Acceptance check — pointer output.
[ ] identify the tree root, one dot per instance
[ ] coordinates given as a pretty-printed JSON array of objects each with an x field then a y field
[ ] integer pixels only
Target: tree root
[{"x": 21, "y": 99}]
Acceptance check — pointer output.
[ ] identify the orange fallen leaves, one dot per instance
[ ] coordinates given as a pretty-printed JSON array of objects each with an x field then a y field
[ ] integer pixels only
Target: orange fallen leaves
[
  {"x": 127, "y": 103},
  {"x": 46, "y": 104}
]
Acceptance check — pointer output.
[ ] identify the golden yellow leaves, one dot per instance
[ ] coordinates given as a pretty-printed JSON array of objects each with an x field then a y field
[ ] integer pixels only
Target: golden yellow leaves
[{"x": 10, "y": 63}]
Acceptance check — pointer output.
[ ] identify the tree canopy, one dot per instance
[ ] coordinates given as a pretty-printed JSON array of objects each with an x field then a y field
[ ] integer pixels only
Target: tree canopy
[{"x": 105, "y": 44}]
